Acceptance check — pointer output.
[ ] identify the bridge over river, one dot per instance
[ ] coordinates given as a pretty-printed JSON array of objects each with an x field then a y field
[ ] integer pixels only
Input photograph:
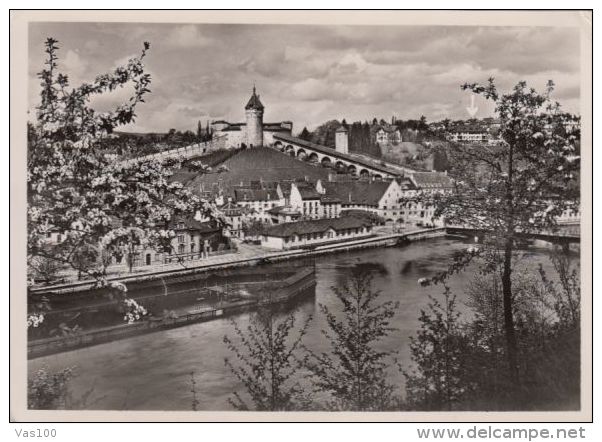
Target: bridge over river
[{"x": 565, "y": 235}]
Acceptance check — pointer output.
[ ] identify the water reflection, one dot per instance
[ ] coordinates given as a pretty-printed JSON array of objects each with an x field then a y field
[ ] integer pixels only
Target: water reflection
[{"x": 152, "y": 372}]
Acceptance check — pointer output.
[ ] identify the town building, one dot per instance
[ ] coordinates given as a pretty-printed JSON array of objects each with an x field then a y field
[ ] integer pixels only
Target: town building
[
  {"x": 237, "y": 218},
  {"x": 315, "y": 232},
  {"x": 284, "y": 214},
  {"x": 253, "y": 132},
  {"x": 260, "y": 200},
  {"x": 193, "y": 240},
  {"x": 378, "y": 197},
  {"x": 413, "y": 211}
]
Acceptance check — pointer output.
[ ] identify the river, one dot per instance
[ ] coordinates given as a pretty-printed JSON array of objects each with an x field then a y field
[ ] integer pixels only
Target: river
[{"x": 152, "y": 372}]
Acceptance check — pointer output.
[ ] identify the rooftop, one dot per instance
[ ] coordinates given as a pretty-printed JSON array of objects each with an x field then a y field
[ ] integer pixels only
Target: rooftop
[
  {"x": 246, "y": 194},
  {"x": 432, "y": 180},
  {"x": 254, "y": 102},
  {"x": 358, "y": 192},
  {"x": 315, "y": 226},
  {"x": 285, "y": 210},
  {"x": 189, "y": 223}
]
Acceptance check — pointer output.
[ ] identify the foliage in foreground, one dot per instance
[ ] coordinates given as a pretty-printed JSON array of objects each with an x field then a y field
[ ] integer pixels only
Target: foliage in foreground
[
  {"x": 354, "y": 372},
  {"x": 458, "y": 363},
  {"x": 267, "y": 364},
  {"x": 516, "y": 188},
  {"x": 48, "y": 391}
]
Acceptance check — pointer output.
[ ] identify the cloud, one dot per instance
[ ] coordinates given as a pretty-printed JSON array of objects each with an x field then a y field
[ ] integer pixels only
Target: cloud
[
  {"x": 309, "y": 74},
  {"x": 74, "y": 66},
  {"x": 187, "y": 36}
]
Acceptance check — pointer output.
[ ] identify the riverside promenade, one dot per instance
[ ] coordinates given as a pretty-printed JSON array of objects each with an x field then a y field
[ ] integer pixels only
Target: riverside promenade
[{"x": 247, "y": 255}]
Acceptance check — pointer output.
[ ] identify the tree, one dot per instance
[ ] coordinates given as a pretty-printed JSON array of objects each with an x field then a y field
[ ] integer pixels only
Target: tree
[
  {"x": 199, "y": 131},
  {"x": 438, "y": 350},
  {"x": 459, "y": 360},
  {"x": 72, "y": 185},
  {"x": 305, "y": 134},
  {"x": 266, "y": 353},
  {"x": 355, "y": 372},
  {"x": 517, "y": 188},
  {"x": 325, "y": 133},
  {"x": 48, "y": 391}
]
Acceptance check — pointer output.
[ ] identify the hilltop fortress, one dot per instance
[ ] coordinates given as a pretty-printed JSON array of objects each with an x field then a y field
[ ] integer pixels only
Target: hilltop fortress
[{"x": 253, "y": 132}]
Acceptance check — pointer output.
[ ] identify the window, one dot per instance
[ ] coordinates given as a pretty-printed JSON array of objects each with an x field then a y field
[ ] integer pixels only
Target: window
[
  {"x": 192, "y": 248},
  {"x": 181, "y": 248},
  {"x": 180, "y": 238}
]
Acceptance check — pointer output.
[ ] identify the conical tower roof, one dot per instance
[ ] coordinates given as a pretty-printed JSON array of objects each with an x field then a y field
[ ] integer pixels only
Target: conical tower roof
[{"x": 254, "y": 102}]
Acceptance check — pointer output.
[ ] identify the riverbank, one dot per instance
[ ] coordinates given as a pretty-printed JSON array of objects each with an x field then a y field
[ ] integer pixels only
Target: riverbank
[
  {"x": 235, "y": 261},
  {"x": 151, "y": 371}
]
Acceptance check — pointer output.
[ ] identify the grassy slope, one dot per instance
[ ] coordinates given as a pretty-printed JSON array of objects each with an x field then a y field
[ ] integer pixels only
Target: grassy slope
[{"x": 261, "y": 163}]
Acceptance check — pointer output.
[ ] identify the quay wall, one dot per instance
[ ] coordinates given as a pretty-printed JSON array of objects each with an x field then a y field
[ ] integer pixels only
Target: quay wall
[{"x": 371, "y": 242}]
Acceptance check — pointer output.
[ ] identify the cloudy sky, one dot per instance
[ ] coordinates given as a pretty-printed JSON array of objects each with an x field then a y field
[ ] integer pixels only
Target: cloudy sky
[{"x": 309, "y": 74}]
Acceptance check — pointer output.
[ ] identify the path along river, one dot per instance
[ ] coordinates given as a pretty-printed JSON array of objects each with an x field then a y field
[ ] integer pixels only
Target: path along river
[{"x": 152, "y": 372}]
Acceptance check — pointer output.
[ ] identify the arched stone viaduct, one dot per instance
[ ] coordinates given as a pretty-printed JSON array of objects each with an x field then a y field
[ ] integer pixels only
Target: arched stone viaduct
[{"x": 315, "y": 153}]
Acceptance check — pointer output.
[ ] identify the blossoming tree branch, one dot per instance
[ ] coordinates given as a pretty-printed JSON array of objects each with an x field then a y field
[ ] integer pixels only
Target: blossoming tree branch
[{"x": 100, "y": 205}]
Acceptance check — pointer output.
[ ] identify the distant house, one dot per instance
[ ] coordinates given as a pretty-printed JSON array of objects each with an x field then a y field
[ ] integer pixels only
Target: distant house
[
  {"x": 468, "y": 136},
  {"x": 315, "y": 232},
  {"x": 388, "y": 134}
]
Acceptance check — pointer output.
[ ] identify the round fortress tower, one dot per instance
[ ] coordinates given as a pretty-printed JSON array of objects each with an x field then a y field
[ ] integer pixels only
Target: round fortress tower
[{"x": 254, "y": 115}]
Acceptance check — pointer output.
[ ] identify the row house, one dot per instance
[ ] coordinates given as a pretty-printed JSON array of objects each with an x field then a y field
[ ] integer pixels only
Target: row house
[
  {"x": 311, "y": 233},
  {"x": 312, "y": 202}
]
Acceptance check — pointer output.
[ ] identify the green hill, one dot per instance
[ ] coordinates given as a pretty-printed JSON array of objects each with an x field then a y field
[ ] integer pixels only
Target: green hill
[{"x": 255, "y": 164}]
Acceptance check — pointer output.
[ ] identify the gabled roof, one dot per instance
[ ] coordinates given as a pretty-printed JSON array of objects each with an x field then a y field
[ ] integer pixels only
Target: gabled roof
[
  {"x": 308, "y": 192},
  {"x": 357, "y": 192},
  {"x": 254, "y": 102},
  {"x": 285, "y": 210},
  {"x": 431, "y": 180},
  {"x": 230, "y": 209},
  {"x": 286, "y": 230},
  {"x": 191, "y": 224},
  {"x": 255, "y": 195}
]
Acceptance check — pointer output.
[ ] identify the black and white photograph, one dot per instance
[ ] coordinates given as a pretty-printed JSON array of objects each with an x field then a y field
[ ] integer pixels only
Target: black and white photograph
[{"x": 305, "y": 215}]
